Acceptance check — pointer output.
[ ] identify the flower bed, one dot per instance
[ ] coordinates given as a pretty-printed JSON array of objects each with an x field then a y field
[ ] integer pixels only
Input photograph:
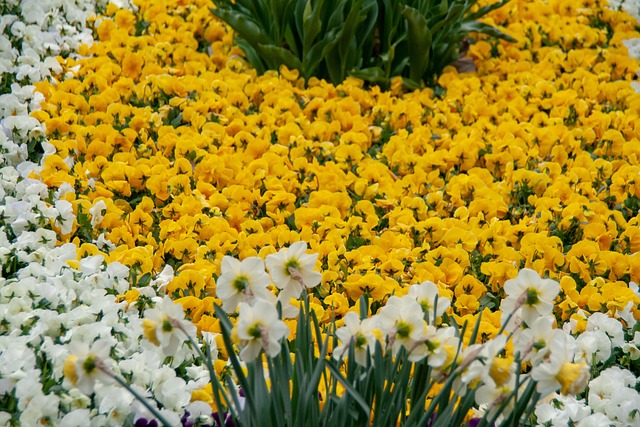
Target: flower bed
[{"x": 164, "y": 153}]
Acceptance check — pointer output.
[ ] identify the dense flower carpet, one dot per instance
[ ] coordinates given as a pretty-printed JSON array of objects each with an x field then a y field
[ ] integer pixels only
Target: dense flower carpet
[{"x": 139, "y": 150}]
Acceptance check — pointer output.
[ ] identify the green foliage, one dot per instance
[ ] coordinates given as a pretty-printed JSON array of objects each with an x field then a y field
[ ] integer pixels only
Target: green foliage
[
  {"x": 374, "y": 40},
  {"x": 312, "y": 389}
]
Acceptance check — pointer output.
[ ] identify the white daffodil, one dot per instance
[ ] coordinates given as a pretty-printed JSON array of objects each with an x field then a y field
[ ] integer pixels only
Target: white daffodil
[
  {"x": 402, "y": 320},
  {"x": 558, "y": 371},
  {"x": 529, "y": 296},
  {"x": 165, "y": 327},
  {"x": 487, "y": 364},
  {"x": 531, "y": 342},
  {"x": 292, "y": 269},
  {"x": 259, "y": 328},
  {"x": 86, "y": 365},
  {"x": 427, "y": 296},
  {"x": 360, "y": 333},
  {"x": 242, "y": 281}
]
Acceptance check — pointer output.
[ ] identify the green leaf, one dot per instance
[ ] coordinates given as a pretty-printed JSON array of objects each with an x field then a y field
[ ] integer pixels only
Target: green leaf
[
  {"x": 486, "y": 9},
  {"x": 348, "y": 387},
  {"x": 243, "y": 25},
  {"x": 481, "y": 27},
  {"x": 419, "y": 38},
  {"x": 274, "y": 56}
]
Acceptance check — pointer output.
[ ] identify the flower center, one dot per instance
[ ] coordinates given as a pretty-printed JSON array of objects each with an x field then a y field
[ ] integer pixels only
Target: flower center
[
  {"x": 89, "y": 364},
  {"x": 255, "y": 331},
  {"x": 166, "y": 325},
  {"x": 361, "y": 341},
  {"x": 292, "y": 263},
  {"x": 532, "y": 297},
  {"x": 241, "y": 283},
  {"x": 403, "y": 329}
]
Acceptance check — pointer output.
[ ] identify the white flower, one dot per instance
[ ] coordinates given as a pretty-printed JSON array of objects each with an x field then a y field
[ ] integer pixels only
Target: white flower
[
  {"x": 493, "y": 395},
  {"x": 360, "y": 333},
  {"x": 633, "y": 347},
  {"x": 529, "y": 295},
  {"x": 259, "y": 328},
  {"x": 291, "y": 269},
  {"x": 165, "y": 326},
  {"x": 561, "y": 411},
  {"x": 75, "y": 418},
  {"x": 441, "y": 345},
  {"x": 97, "y": 212},
  {"x": 402, "y": 320},
  {"x": 482, "y": 366},
  {"x": 558, "y": 371},
  {"x": 532, "y": 342},
  {"x": 242, "y": 281},
  {"x": 426, "y": 294},
  {"x": 163, "y": 278},
  {"x": 608, "y": 325},
  {"x": 170, "y": 390},
  {"x": 65, "y": 217},
  {"x": 593, "y": 346},
  {"x": 613, "y": 393},
  {"x": 86, "y": 365},
  {"x": 595, "y": 420}
]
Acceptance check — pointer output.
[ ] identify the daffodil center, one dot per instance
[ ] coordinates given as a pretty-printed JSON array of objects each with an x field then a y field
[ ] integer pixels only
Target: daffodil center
[
  {"x": 532, "y": 297},
  {"x": 432, "y": 345},
  {"x": 166, "y": 325},
  {"x": 403, "y": 329},
  {"x": 255, "y": 331},
  {"x": 361, "y": 340},
  {"x": 89, "y": 364},
  {"x": 241, "y": 283},
  {"x": 426, "y": 305},
  {"x": 292, "y": 263}
]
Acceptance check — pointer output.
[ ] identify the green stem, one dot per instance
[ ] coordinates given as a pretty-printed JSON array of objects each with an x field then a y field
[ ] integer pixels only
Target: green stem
[
  {"x": 215, "y": 383},
  {"x": 140, "y": 398}
]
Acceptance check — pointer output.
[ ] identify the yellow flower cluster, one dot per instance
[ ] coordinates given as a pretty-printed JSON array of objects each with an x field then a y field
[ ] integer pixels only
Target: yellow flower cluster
[{"x": 530, "y": 161}]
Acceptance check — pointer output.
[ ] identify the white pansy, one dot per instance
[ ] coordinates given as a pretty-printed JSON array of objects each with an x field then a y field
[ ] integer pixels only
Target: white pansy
[
  {"x": 163, "y": 279},
  {"x": 65, "y": 217},
  {"x": 610, "y": 326},
  {"x": 593, "y": 346},
  {"x": 561, "y": 411},
  {"x": 594, "y": 420}
]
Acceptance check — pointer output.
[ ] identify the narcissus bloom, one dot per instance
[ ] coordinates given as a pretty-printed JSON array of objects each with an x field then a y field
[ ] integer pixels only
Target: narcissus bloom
[
  {"x": 292, "y": 269},
  {"x": 529, "y": 296},
  {"x": 165, "y": 326},
  {"x": 259, "y": 328},
  {"x": 360, "y": 333},
  {"x": 241, "y": 281},
  {"x": 86, "y": 365}
]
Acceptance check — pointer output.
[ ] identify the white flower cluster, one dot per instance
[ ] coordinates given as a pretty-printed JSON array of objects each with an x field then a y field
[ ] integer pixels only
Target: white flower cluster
[
  {"x": 562, "y": 359},
  {"x": 612, "y": 401},
  {"x": 631, "y": 7},
  {"x": 244, "y": 284},
  {"x": 51, "y": 313}
]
